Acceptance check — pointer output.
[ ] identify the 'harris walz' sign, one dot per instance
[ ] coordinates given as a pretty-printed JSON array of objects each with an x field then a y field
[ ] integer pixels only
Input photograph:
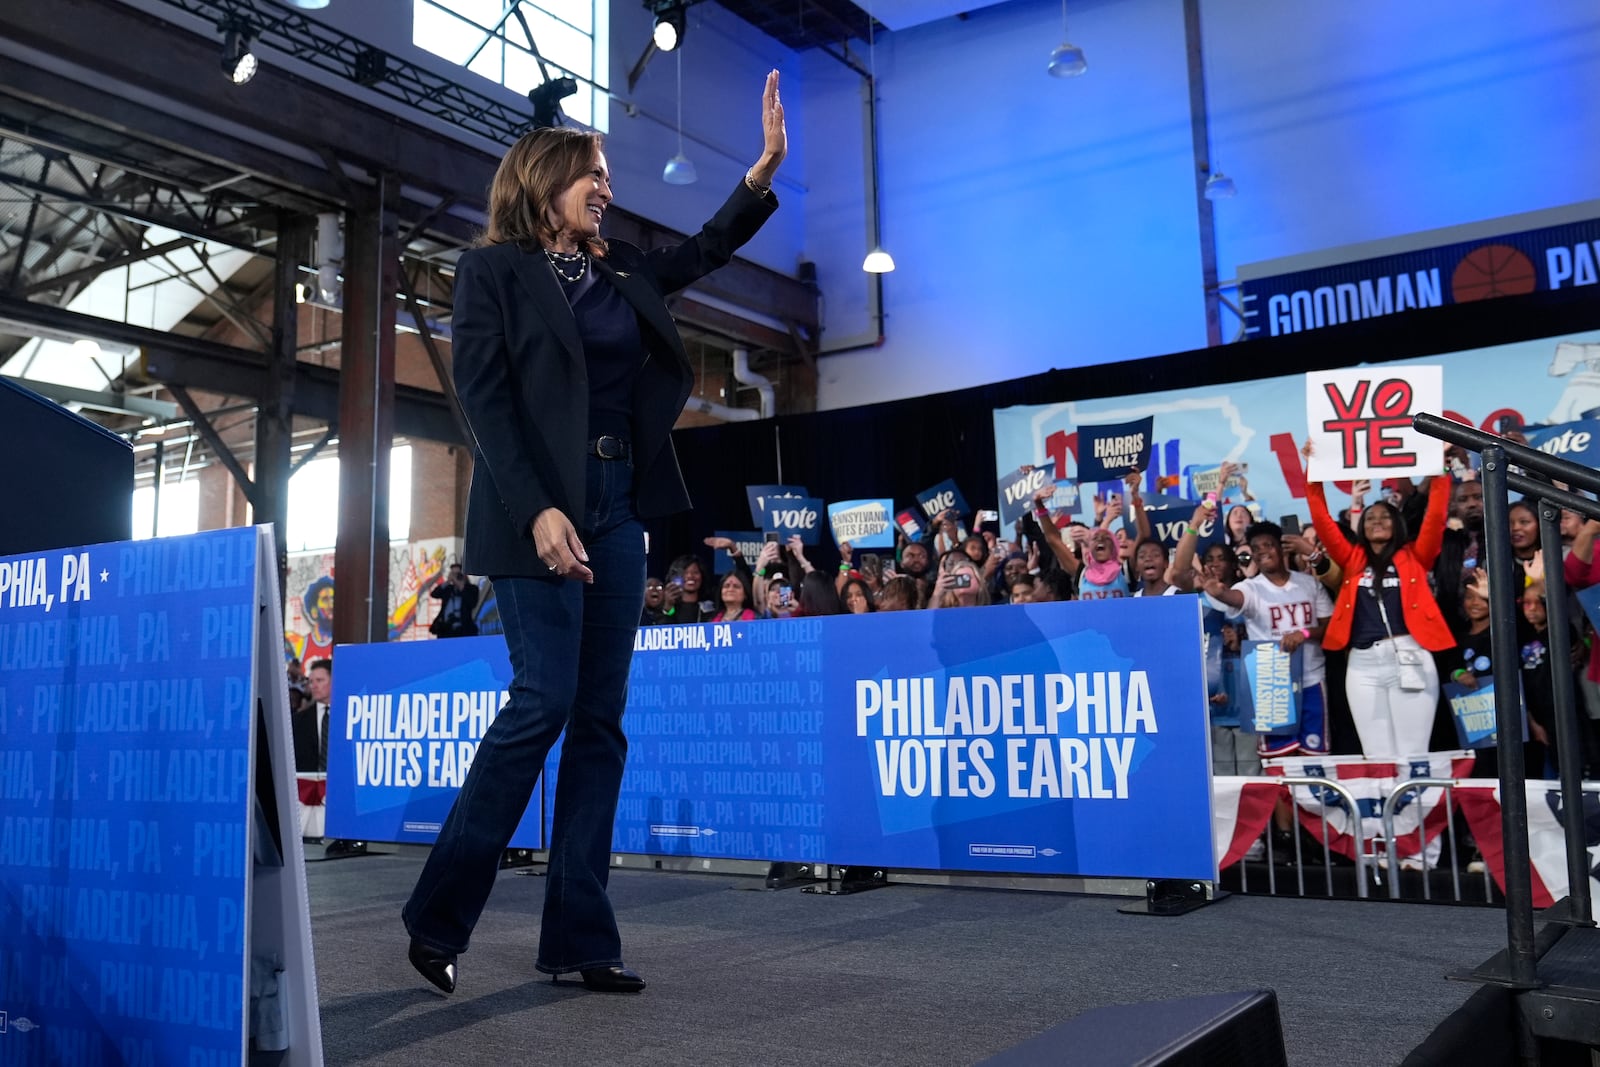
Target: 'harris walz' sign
[{"x": 1553, "y": 257}]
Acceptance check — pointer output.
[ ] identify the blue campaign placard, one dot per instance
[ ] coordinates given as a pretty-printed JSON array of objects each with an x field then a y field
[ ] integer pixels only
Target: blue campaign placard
[
  {"x": 791, "y": 516},
  {"x": 942, "y": 497},
  {"x": 1017, "y": 489},
  {"x": 1575, "y": 441},
  {"x": 763, "y": 496},
  {"x": 1473, "y": 711},
  {"x": 406, "y": 721},
  {"x": 1589, "y": 601},
  {"x": 864, "y": 523},
  {"x": 125, "y": 757},
  {"x": 1167, "y": 525},
  {"x": 1269, "y": 699},
  {"x": 1111, "y": 452}
]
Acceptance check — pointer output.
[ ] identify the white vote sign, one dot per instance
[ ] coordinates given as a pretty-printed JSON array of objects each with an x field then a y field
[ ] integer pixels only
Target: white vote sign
[{"x": 1359, "y": 422}]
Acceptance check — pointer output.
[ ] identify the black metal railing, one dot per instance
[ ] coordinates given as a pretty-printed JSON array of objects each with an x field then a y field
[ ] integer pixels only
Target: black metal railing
[{"x": 1534, "y": 482}]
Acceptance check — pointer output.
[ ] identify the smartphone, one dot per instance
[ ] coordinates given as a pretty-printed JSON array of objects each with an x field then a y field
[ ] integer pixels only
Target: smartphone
[
  {"x": 1291, "y": 525},
  {"x": 1511, "y": 423},
  {"x": 962, "y": 580},
  {"x": 785, "y": 597},
  {"x": 678, "y": 581},
  {"x": 869, "y": 563},
  {"x": 772, "y": 537},
  {"x": 987, "y": 516}
]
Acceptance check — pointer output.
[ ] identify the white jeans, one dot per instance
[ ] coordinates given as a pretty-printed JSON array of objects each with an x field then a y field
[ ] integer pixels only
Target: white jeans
[{"x": 1391, "y": 721}]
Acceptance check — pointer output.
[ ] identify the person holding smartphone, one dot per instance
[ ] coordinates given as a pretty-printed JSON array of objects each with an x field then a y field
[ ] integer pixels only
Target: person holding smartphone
[{"x": 960, "y": 583}]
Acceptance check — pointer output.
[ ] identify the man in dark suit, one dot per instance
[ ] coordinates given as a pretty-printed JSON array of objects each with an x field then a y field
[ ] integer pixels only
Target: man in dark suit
[{"x": 571, "y": 374}]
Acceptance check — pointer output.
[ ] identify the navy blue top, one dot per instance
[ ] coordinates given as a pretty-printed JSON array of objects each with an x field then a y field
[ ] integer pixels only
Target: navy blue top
[
  {"x": 1367, "y": 629},
  {"x": 612, "y": 349}
]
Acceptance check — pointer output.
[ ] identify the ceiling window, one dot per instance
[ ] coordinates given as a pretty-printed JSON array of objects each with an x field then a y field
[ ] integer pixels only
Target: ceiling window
[{"x": 491, "y": 38}]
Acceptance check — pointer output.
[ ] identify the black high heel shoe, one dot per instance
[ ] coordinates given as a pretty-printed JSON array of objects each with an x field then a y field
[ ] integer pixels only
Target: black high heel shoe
[
  {"x": 611, "y": 980},
  {"x": 439, "y": 968}
]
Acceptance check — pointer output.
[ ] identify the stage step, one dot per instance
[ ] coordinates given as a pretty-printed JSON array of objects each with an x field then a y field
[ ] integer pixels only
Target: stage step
[{"x": 1567, "y": 1006}]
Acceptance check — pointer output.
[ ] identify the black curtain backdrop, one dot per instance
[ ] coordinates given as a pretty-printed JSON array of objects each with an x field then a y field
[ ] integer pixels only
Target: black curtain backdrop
[{"x": 900, "y": 448}]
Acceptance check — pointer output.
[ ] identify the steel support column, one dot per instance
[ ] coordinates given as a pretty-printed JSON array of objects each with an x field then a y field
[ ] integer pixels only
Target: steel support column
[
  {"x": 1200, "y": 133},
  {"x": 275, "y": 415},
  {"x": 366, "y": 416}
]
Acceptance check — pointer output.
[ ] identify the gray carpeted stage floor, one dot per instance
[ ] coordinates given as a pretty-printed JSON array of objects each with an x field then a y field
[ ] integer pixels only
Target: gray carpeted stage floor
[{"x": 904, "y": 975}]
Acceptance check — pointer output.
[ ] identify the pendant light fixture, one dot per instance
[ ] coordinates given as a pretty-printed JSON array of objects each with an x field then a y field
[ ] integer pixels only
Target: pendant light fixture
[
  {"x": 878, "y": 261},
  {"x": 679, "y": 170},
  {"x": 1067, "y": 60},
  {"x": 1220, "y": 187}
]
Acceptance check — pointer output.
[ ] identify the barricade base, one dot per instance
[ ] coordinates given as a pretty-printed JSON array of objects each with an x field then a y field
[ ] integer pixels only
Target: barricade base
[{"x": 1169, "y": 897}]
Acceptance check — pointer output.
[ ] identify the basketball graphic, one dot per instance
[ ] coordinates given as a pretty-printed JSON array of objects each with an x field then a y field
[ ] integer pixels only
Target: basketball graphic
[{"x": 1490, "y": 271}]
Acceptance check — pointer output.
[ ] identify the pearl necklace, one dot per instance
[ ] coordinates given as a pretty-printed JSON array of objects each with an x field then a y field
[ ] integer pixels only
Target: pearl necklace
[{"x": 558, "y": 259}]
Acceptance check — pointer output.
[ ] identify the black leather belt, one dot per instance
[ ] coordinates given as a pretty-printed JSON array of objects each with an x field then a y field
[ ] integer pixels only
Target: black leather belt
[{"x": 609, "y": 447}]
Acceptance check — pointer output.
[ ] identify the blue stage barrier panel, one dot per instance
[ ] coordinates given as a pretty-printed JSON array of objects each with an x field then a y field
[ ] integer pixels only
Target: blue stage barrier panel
[
  {"x": 125, "y": 803},
  {"x": 1040, "y": 739}
]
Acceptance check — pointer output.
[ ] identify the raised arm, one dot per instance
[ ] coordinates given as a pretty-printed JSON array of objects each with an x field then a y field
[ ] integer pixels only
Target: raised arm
[
  {"x": 1431, "y": 537},
  {"x": 1066, "y": 555},
  {"x": 1141, "y": 522},
  {"x": 1182, "y": 572}
]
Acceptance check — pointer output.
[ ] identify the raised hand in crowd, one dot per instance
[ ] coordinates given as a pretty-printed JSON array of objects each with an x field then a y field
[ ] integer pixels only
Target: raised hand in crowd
[
  {"x": 1479, "y": 583},
  {"x": 797, "y": 548},
  {"x": 1131, "y": 480},
  {"x": 1067, "y": 555},
  {"x": 1302, "y": 547},
  {"x": 1113, "y": 511},
  {"x": 726, "y": 544},
  {"x": 845, "y": 552},
  {"x": 1185, "y": 570},
  {"x": 1583, "y": 543},
  {"x": 1141, "y": 522},
  {"x": 1533, "y": 567}
]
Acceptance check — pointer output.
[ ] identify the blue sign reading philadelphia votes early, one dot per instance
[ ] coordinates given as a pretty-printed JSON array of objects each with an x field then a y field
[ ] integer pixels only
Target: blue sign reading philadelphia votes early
[
  {"x": 125, "y": 711},
  {"x": 1049, "y": 739},
  {"x": 406, "y": 721}
]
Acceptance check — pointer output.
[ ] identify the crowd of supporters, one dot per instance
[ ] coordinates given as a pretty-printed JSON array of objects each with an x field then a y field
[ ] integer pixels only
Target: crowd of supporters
[{"x": 1387, "y": 598}]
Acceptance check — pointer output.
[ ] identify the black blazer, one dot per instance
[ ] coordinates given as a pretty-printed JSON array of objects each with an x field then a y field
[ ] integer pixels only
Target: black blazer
[
  {"x": 524, "y": 387},
  {"x": 307, "y": 739}
]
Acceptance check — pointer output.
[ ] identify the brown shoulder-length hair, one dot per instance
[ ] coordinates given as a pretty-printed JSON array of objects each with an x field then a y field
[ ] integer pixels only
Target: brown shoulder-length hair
[{"x": 540, "y": 167}]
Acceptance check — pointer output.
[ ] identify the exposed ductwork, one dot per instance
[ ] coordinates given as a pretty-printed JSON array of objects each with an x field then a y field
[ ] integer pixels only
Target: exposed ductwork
[{"x": 745, "y": 376}]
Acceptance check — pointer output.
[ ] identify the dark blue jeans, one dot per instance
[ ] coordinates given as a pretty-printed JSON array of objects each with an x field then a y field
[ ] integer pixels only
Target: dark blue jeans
[{"x": 571, "y": 646}]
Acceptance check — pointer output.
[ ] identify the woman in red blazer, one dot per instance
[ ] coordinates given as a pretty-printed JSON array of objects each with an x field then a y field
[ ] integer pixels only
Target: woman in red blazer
[{"x": 1390, "y": 622}]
